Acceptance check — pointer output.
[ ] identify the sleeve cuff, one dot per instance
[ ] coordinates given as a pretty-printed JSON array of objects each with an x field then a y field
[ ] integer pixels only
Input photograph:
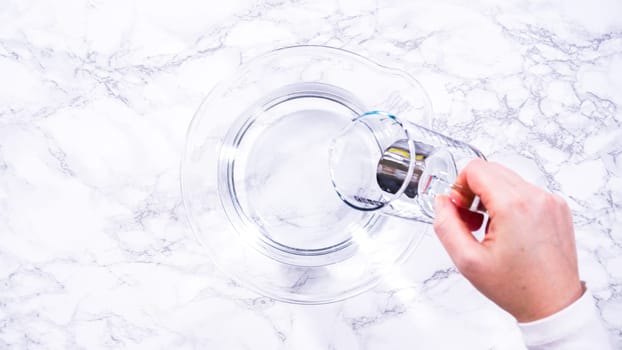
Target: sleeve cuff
[{"x": 578, "y": 320}]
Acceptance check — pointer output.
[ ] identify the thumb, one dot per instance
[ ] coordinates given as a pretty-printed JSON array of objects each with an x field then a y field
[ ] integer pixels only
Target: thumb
[{"x": 455, "y": 235}]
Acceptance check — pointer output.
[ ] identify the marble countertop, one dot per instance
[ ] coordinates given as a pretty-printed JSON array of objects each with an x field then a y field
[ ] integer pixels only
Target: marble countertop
[{"x": 95, "y": 99}]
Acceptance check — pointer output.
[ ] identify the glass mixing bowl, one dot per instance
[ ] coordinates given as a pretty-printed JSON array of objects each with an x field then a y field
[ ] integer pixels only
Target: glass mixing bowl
[{"x": 256, "y": 182}]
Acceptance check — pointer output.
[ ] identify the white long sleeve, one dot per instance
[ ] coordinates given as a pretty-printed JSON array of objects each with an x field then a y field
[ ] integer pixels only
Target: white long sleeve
[{"x": 575, "y": 327}]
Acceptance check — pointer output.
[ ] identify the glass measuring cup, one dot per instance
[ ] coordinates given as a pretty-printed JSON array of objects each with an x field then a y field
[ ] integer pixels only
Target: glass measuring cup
[{"x": 379, "y": 162}]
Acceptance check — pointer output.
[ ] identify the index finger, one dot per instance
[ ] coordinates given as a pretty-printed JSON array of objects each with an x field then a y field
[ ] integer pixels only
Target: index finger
[{"x": 492, "y": 182}]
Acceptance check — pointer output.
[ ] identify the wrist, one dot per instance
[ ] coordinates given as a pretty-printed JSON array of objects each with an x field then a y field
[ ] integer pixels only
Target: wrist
[{"x": 551, "y": 305}]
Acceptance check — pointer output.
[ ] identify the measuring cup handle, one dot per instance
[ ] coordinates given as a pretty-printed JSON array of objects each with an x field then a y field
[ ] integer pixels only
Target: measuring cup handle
[{"x": 466, "y": 198}]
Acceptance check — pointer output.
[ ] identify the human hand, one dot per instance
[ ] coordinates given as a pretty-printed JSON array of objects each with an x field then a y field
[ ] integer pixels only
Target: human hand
[{"x": 527, "y": 261}]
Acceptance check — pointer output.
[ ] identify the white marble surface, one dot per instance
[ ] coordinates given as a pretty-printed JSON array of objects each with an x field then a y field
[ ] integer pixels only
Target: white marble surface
[{"x": 95, "y": 98}]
